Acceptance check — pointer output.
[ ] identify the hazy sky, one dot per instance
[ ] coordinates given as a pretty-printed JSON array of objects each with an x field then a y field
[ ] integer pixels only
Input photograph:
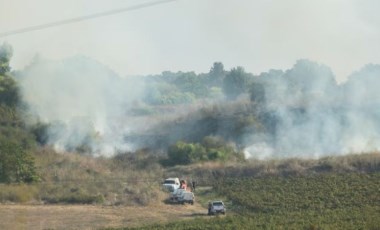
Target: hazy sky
[{"x": 192, "y": 34}]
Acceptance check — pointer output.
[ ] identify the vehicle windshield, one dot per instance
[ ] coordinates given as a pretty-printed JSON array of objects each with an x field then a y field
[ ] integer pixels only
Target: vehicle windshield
[
  {"x": 169, "y": 182},
  {"x": 217, "y": 203}
]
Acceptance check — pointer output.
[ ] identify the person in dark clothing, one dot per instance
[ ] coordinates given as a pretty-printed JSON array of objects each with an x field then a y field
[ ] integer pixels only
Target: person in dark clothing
[{"x": 193, "y": 184}]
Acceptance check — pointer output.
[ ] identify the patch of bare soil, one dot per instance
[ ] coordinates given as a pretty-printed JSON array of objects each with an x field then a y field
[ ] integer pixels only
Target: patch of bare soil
[{"x": 92, "y": 216}]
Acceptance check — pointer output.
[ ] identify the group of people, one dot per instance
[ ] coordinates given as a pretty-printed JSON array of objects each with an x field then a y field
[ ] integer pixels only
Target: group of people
[{"x": 183, "y": 185}]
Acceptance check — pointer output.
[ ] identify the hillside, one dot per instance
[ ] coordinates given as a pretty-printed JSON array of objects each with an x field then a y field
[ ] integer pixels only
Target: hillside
[
  {"x": 330, "y": 193},
  {"x": 84, "y": 106},
  {"x": 283, "y": 148}
]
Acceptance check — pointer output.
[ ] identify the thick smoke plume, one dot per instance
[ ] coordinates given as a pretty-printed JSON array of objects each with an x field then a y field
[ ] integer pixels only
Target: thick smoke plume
[
  {"x": 303, "y": 112},
  {"x": 83, "y": 102},
  {"x": 312, "y": 116}
]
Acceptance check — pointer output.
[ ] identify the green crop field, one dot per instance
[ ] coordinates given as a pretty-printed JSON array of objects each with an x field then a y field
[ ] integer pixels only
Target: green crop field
[{"x": 324, "y": 201}]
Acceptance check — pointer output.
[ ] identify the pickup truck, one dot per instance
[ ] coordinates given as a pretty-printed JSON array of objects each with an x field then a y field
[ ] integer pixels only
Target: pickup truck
[
  {"x": 215, "y": 207},
  {"x": 171, "y": 184},
  {"x": 176, "y": 194},
  {"x": 186, "y": 197}
]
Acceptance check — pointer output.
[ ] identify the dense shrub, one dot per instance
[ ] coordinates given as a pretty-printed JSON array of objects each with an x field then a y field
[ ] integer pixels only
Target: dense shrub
[
  {"x": 211, "y": 149},
  {"x": 16, "y": 165}
]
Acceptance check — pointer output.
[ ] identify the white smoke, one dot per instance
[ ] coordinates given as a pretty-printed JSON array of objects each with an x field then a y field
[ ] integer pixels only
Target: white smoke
[
  {"x": 83, "y": 101},
  {"x": 305, "y": 112},
  {"x": 315, "y": 117}
]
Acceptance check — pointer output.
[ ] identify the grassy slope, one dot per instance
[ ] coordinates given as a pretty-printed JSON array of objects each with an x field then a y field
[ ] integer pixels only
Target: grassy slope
[
  {"x": 76, "y": 179},
  {"x": 329, "y": 193}
]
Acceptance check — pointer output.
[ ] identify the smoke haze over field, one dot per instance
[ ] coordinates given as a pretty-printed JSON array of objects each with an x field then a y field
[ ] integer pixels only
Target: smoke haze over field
[{"x": 305, "y": 112}]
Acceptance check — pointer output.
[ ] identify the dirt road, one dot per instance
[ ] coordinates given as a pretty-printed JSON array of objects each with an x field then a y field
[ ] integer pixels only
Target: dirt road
[{"x": 91, "y": 216}]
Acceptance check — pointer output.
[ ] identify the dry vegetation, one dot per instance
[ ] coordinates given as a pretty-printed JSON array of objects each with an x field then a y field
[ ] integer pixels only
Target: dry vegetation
[
  {"x": 125, "y": 191},
  {"x": 134, "y": 179},
  {"x": 207, "y": 172},
  {"x": 92, "y": 216},
  {"x": 72, "y": 178}
]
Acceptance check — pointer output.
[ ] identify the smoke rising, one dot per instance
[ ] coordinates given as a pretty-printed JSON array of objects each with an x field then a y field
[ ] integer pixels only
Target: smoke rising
[
  {"x": 83, "y": 101},
  {"x": 315, "y": 117},
  {"x": 304, "y": 112}
]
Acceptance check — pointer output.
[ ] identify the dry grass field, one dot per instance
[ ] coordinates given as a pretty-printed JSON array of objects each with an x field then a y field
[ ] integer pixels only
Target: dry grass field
[
  {"x": 15, "y": 216},
  {"x": 340, "y": 190}
]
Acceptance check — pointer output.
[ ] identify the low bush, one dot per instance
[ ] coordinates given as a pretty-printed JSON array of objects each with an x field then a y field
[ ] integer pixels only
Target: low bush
[
  {"x": 18, "y": 193},
  {"x": 211, "y": 149}
]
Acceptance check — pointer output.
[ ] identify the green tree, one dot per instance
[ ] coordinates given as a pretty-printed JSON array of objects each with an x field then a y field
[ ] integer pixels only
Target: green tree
[
  {"x": 191, "y": 83},
  {"x": 6, "y": 53},
  {"x": 8, "y": 88},
  {"x": 216, "y": 75},
  {"x": 309, "y": 77},
  {"x": 9, "y": 93},
  {"x": 16, "y": 165},
  {"x": 235, "y": 83},
  {"x": 257, "y": 93},
  {"x": 186, "y": 153}
]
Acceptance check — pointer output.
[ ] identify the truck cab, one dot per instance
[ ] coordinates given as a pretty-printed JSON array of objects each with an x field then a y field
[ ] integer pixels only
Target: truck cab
[{"x": 171, "y": 184}]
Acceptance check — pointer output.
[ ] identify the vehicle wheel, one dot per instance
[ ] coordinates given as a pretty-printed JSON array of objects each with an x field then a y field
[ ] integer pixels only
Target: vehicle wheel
[{"x": 223, "y": 213}]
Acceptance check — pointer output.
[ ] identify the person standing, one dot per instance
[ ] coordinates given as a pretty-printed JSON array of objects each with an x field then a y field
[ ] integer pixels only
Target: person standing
[{"x": 183, "y": 184}]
